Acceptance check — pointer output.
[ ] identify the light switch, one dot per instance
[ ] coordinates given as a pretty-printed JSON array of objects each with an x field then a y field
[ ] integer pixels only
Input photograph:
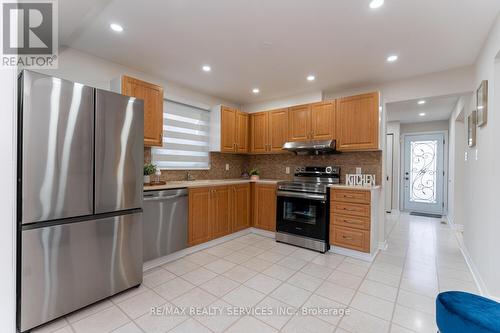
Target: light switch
[
  {"x": 358, "y": 170},
  {"x": 477, "y": 154},
  {"x": 287, "y": 170},
  {"x": 227, "y": 166}
]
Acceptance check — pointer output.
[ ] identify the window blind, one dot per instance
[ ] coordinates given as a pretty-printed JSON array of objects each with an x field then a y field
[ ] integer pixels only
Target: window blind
[{"x": 185, "y": 138}]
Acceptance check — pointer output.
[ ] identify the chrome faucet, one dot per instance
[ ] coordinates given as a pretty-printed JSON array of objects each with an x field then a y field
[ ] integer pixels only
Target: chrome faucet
[{"x": 189, "y": 176}]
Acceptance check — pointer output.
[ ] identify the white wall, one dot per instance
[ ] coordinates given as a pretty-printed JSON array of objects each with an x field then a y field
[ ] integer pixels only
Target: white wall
[
  {"x": 7, "y": 200},
  {"x": 97, "y": 72},
  {"x": 430, "y": 126},
  {"x": 456, "y": 166},
  {"x": 285, "y": 102},
  {"x": 481, "y": 181}
]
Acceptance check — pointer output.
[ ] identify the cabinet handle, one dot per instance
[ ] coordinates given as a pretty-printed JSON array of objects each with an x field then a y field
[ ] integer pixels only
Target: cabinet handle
[
  {"x": 348, "y": 196},
  {"x": 346, "y": 237}
]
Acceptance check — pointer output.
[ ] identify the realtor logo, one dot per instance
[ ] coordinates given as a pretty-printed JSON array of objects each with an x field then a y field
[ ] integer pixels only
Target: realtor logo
[{"x": 29, "y": 38}]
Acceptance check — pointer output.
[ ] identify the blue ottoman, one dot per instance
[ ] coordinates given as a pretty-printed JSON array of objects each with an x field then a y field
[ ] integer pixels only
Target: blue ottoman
[{"x": 460, "y": 312}]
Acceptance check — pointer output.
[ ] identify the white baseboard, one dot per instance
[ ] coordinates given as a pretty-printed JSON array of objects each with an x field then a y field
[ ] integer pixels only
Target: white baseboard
[
  {"x": 453, "y": 225},
  {"x": 382, "y": 245},
  {"x": 182, "y": 253},
  {"x": 481, "y": 286},
  {"x": 354, "y": 254}
]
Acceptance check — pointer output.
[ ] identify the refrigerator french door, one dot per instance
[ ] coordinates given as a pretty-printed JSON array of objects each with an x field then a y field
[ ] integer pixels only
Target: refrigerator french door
[{"x": 80, "y": 158}]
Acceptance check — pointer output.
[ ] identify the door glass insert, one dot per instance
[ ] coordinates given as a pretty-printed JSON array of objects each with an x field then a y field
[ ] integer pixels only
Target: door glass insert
[
  {"x": 423, "y": 171},
  {"x": 301, "y": 212}
]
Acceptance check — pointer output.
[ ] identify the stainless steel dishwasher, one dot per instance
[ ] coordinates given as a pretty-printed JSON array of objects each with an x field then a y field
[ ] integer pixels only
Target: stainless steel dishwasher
[{"x": 165, "y": 220}]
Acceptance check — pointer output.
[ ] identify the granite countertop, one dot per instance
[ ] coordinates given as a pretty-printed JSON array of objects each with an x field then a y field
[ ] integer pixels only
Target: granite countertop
[
  {"x": 206, "y": 182},
  {"x": 359, "y": 188}
]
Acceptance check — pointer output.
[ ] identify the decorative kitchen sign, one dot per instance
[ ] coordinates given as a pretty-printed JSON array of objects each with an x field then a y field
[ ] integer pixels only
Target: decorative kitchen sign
[{"x": 359, "y": 180}]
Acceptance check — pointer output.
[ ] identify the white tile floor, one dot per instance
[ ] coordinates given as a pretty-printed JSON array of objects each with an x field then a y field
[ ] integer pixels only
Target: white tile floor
[{"x": 393, "y": 294}]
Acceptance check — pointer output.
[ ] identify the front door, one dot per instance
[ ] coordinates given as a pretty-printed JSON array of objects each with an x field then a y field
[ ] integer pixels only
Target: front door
[{"x": 423, "y": 178}]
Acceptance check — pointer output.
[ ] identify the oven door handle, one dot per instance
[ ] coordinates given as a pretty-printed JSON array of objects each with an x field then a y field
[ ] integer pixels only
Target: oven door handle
[{"x": 319, "y": 197}]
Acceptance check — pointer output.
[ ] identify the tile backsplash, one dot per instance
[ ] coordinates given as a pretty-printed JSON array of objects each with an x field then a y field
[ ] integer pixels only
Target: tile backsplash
[{"x": 274, "y": 166}]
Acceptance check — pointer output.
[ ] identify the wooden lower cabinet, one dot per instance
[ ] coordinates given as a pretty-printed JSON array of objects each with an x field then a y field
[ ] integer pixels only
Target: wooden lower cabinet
[
  {"x": 350, "y": 219},
  {"x": 217, "y": 211},
  {"x": 264, "y": 206},
  {"x": 241, "y": 207},
  {"x": 199, "y": 215}
]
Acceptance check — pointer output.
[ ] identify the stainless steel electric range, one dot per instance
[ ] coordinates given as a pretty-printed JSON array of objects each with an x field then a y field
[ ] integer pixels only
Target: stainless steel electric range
[{"x": 303, "y": 208}]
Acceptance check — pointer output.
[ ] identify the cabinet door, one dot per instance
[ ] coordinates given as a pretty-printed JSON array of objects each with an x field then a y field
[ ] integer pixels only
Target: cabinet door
[
  {"x": 299, "y": 123},
  {"x": 357, "y": 125},
  {"x": 242, "y": 132},
  {"x": 241, "y": 207},
  {"x": 278, "y": 129},
  {"x": 265, "y": 207},
  {"x": 220, "y": 211},
  {"x": 322, "y": 120},
  {"x": 228, "y": 130},
  {"x": 259, "y": 128},
  {"x": 153, "y": 107},
  {"x": 199, "y": 215}
]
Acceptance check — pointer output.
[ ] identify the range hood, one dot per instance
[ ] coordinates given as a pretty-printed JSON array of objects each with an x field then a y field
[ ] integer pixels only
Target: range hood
[{"x": 313, "y": 147}]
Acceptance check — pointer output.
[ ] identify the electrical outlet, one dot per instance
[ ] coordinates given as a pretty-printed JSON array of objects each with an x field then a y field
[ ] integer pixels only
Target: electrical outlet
[
  {"x": 227, "y": 166},
  {"x": 358, "y": 170},
  {"x": 287, "y": 170}
]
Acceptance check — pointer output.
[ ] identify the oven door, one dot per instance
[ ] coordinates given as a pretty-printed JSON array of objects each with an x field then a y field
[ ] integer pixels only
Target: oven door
[{"x": 302, "y": 214}]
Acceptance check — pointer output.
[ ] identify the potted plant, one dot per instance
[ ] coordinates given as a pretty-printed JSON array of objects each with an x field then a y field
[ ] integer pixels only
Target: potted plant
[
  {"x": 254, "y": 174},
  {"x": 149, "y": 169}
]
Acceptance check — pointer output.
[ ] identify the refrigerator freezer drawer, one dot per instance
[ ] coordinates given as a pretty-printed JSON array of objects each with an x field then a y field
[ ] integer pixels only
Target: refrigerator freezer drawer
[
  {"x": 66, "y": 267},
  {"x": 119, "y": 152},
  {"x": 57, "y": 128}
]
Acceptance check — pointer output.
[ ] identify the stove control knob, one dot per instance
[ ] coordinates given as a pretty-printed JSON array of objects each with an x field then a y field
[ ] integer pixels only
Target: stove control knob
[{"x": 328, "y": 169}]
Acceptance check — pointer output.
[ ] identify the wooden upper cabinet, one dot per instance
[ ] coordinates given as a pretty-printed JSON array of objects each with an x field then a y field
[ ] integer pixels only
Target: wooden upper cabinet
[
  {"x": 228, "y": 129},
  {"x": 259, "y": 132},
  {"x": 220, "y": 211},
  {"x": 264, "y": 209},
  {"x": 199, "y": 215},
  {"x": 241, "y": 207},
  {"x": 152, "y": 95},
  {"x": 242, "y": 132},
  {"x": 357, "y": 125},
  {"x": 299, "y": 123},
  {"x": 322, "y": 120},
  {"x": 278, "y": 129}
]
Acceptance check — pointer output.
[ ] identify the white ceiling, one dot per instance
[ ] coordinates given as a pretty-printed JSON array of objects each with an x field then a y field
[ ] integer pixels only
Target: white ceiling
[
  {"x": 435, "y": 108},
  {"x": 275, "y": 44}
]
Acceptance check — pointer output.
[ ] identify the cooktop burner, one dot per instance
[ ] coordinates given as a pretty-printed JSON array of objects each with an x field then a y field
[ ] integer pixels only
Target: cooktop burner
[{"x": 312, "y": 179}]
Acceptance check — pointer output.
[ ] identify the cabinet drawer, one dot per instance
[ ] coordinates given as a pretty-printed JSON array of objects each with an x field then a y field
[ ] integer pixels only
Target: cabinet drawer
[
  {"x": 350, "y": 238},
  {"x": 352, "y": 196},
  {"x": 351, "y": 209},
  {"x": 351, "y": 221}
]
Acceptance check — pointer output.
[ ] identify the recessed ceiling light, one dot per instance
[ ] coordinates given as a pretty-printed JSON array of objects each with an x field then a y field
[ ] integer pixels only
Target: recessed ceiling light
[
  {"x": 421, "y": 102},
  {"x": 255, "y": 90},
  {"x": 206, "y": 68},
  {"x": 376, "y": 4},
  {"x": 116, "y": 27},
  {"x": 311, "y": 78},
  {"x": 421, "y": 114},
  {"x": 392, "y": 58}
]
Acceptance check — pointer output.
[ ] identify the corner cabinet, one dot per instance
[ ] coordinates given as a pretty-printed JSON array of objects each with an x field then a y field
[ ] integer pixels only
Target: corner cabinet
[
  {"x": 152, "y": 95},
  {"x": 217, "y": 211},
  {"x": 229, "y": 130},
  {"x": 268, "y": 131},
  {"x": 357, "y": 122}
]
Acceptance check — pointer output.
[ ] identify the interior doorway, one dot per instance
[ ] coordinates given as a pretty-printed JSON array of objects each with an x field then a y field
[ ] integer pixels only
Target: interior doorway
[
  {"x": 424, "y": 173},
  {"x": 389, "y": 176}
]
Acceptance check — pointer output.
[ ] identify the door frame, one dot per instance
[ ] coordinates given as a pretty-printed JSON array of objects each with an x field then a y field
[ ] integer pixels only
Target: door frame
[
  {"x": 445, "y": 168},
  {"x": 391, "y": 175}
]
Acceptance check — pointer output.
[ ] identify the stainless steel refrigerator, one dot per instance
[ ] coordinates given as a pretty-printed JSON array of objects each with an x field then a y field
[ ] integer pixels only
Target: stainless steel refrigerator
[{"x": 79, "y": 209}]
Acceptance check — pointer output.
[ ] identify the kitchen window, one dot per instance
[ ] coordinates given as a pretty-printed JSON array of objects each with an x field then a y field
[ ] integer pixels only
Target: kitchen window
[{"x": 185, "y": 138}]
